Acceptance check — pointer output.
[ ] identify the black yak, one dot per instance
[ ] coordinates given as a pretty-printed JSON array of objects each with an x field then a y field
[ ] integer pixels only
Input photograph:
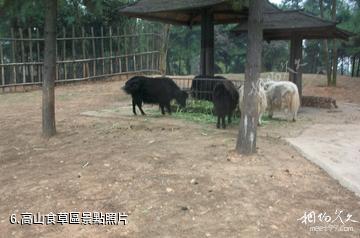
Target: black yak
[
  {"x": 202, "y": 87},
  {"x": 154, "y": 91},
  {"x": 225, "y": 98}
]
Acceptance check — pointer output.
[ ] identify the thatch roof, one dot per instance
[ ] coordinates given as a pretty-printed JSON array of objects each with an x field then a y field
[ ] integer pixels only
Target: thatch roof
[
  {"x": 278, "y": 24},
  {"x": 188, "y": 12},
  {"x": 281, "y": 25}
]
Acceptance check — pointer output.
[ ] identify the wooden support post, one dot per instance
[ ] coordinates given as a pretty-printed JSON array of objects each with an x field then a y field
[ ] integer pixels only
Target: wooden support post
[
  {"x": 133, "y": 50},
  {"x": 94, "y": 51},
  {"x": 64, "y": 53},
  {"x": 295, "y": 70},
  {"x": 39, "y": 67},
  {"x": 23, "y": 67},
  {"x": 111, "y": 50},
  {"x": 153, "y": 58},
  {"x": 31, "y": 55},
  {"x": 126, "y": 52},
  {"x": 57, "y": 66},
  {"x": 207, "y": 43},
  {"x": 102, "y": 50},
  {"x": 119, "y": 49},
  {"x": 73, "y": 53},
  {"x": 84, "y": 64},
  {"x": 2, "y": 62},
  {"x": 148, "y": 50},
  {"x": 13, "y": 56}
]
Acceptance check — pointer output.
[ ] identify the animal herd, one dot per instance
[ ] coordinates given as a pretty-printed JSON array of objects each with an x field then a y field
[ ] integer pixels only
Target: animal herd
[{"x": 271, "y": 96}]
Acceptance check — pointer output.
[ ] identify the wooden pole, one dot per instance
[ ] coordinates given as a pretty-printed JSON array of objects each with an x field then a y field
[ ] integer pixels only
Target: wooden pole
[
  {"x": 151, "y": 48},
  {"x": 153, "y": 58},
  {"x": 64, "y": 53},
  {"x": 73, "y": 53},
  {"x": 31, "y": 55},
  {"x": 295, "y": 74},
  {"x": 119, "y": 48},
  {"x": 48, "y": 99},
  {"x": 207, "y": 43},
  {"x": 2, "y": 67},
  {"x": 94, "y": 51},
  {"x": 102, "y": 49},
  {"x": 39, "y": 67},
  {"x": 246, "y": 143},
  {"x": 133, "y": 50},
  {"x": 13, "y": 56},
  {"x": 126, "y": 52},
  {"x": 83, "y": 52},
  {"x": 57, "y": 65},
  {"x": 111, "y": 50},
  {"x": 22, "y": 55}
]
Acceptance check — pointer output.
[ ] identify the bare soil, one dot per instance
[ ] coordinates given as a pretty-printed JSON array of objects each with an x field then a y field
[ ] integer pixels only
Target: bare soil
[{"x": 174, "y": 178}]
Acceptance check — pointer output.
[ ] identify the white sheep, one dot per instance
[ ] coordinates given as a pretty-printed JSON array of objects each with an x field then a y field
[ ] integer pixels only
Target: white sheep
[
  {"x": 283, "y": 95},
  {"x": 261, "y": 99}
]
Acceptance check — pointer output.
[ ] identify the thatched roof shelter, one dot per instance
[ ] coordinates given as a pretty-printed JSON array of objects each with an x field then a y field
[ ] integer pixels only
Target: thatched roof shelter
[
  {"x": 282, "y": 25},
  {"x": 188, "y": 12},
  {"x": 278, "y": 24}
]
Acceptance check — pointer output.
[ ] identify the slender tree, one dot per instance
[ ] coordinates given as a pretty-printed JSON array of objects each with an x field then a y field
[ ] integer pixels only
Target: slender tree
[
  {"x": 165, "y": 35},
  {"x": 325, "y": 54},
  {"x": 353, "y": 64},
  {"x": 334, "y": 57},
  {"x": 246, "y": 143},
  {"x": 49, "y": 73}
]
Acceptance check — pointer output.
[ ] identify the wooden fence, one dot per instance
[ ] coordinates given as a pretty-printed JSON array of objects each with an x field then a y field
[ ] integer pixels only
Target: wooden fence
[{"x": 81, "y": 54}]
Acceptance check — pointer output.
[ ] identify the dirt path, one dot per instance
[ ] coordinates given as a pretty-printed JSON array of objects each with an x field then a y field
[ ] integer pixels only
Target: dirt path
[
  {"x": 174, "y": 178},
  {"x": 336, "y": 149}
]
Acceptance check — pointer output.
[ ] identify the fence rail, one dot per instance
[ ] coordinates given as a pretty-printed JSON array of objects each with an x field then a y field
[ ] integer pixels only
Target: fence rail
[{"x": 81, "y": 54}]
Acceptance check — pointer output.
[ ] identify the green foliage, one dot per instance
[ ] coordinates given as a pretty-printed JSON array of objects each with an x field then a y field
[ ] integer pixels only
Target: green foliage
[
  {"x": 275, "y": 56},
  {"x": 184, "y": 50},
  {"x": 200, "y": 111},
  {"x": 197, "y": 111},
  {"x": 184, "y": 46},
  {"x": 30, "y": 13},
  {"x": 240, "y": 4}
]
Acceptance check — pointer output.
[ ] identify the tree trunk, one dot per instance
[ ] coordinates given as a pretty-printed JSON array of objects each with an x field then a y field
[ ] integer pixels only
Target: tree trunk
[
  {"x": 358, "y": 68},
  {"x": 207, "y": 60},
  {"x": 325, "y": 55},
  {"x": 246, "y": 143},
  {"x": 164, "y": 49},
  {"x": 179, "y": 70},
  {"x": 334, "y": 58},
  {"x": 353, "y": 66},
  {"x": 49, "y": 73},
  {"x": 168, "y": 67},
  {"x": 296, "y": 57}
]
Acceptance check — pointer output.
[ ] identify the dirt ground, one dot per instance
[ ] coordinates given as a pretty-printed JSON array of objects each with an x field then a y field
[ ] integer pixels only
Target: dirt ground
[{"x": 174, "y": 178}]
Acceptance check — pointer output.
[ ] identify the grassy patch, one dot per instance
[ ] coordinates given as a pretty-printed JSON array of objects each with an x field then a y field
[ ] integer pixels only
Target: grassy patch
[
  {"x": 198, "y": 111},
  {"x": 202, "y": 112}
]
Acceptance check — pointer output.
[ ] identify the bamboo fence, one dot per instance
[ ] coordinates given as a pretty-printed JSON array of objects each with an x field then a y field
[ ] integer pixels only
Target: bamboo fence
[{"x": 82, "y": 54}]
